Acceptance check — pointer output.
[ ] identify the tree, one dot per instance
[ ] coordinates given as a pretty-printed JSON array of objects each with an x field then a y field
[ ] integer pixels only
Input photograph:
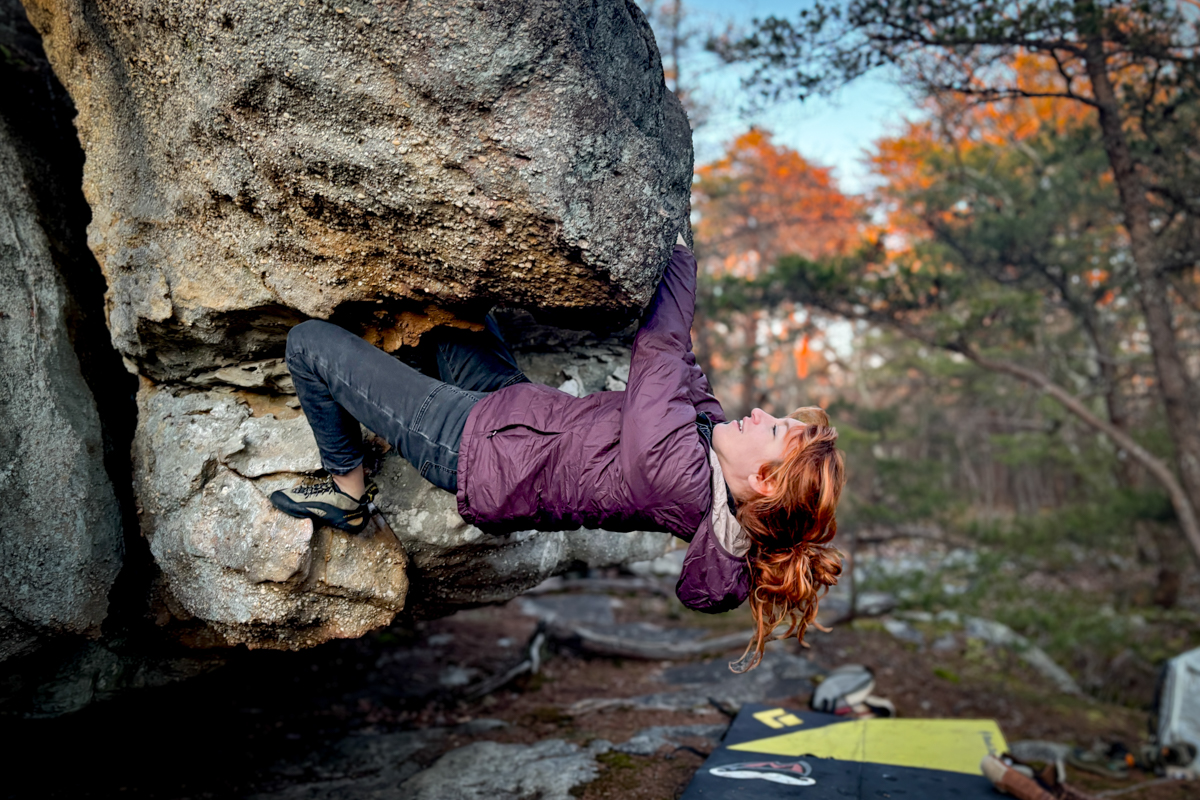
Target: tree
[
  {"x": 753, "y": 205},
  {"x": 762, "y": 200},
  {"x": 671, "y": 21},
  {"x": 1135, "y": 66}
]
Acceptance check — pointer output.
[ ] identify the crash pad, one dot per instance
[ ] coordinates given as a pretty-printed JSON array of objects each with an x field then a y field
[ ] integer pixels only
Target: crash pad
[{"x": 769, "y": 751}]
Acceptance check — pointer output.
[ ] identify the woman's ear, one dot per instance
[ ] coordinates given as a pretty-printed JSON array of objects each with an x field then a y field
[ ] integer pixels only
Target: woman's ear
[{"x": 760, "y": 485}]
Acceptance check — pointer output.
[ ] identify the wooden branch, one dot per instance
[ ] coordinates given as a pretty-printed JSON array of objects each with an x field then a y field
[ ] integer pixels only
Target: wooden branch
[
  {"x": 532, "y": 664},
  {"x": 993, "y": 95},
  {"x": 1184, "y": 510}
]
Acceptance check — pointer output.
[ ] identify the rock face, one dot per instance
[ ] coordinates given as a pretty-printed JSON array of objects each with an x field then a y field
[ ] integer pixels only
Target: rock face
[
  {"x": 251, "y": 574},
  {"x": 206, "y": 461},
  {"x": 60, "y": 525},
  {"x": 549, "y": 769},
  {"x": 249, "y": 163},
  {"x": 388, "y": 166}
]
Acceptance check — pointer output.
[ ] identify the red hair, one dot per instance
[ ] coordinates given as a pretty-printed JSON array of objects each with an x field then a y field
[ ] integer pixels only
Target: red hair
[{"x": 792, "y": 563}]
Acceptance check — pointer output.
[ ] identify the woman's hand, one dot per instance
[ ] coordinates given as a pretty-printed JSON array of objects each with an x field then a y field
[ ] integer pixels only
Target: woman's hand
[{"x": 680, "y": 240}]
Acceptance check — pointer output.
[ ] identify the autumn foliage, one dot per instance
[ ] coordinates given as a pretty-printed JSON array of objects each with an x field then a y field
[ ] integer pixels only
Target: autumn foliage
[
  {"x": 955, "y": 132},
  {"x": 758, "y": 203},
  {"x": 763, "y": 200}
]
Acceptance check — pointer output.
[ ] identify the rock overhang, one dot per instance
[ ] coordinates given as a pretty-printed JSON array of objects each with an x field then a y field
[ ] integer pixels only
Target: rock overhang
[{"x": 391, "y": 167}]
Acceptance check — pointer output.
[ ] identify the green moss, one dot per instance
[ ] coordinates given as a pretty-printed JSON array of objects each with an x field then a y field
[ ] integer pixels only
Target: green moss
[
  {"x": 946, "y": 674},
  {"x": 550, "y": 715},
  {"x": 614, "y": 760},
  {"x": 619, "y": 776}
]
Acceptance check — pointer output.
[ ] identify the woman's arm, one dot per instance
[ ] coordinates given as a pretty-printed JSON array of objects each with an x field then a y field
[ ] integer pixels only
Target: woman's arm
[
  {"x": 662, "y": 456},
  {"x": 699, "y": 390},
  {"x": 712, "y": 580}
]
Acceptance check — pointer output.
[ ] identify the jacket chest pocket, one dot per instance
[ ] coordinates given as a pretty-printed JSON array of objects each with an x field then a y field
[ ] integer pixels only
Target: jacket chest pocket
[{"x": 520, "y": 426}]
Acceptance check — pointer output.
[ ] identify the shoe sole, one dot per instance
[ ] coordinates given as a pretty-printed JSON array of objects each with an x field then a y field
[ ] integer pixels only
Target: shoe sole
[{"x": 335, "y": 516}]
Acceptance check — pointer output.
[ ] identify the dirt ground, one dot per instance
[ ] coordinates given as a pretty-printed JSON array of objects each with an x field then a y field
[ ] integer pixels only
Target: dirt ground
[{"x": 253, "y": 725}]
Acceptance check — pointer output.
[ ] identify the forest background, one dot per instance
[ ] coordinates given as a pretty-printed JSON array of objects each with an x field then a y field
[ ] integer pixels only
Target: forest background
[{"x": 1002, "y": 321}]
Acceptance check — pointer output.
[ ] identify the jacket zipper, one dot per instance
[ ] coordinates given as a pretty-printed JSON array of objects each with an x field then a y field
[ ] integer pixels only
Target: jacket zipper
[{"x": 522, "y": 425}]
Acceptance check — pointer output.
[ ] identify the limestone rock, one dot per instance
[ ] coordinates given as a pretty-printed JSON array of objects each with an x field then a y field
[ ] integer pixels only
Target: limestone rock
[
  {"x": 706, "y": 687},
  {"x": 251, "y": 574},
  {"x": 390, "y": 167},
  {"x": 207, "y": 457},
  {"x": 250, "y": 164},
  {"x": 648, "y": 741},
  {"x": 60, "y": 526},
  {"x": 359, "y": 767}
]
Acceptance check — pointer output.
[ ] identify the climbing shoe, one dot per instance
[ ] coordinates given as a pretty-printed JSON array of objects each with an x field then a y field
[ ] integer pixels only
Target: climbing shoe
[{"x": 325, "y": 502}]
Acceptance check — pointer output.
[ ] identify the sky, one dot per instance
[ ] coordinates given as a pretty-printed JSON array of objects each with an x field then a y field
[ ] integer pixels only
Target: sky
[{"x": 831, "y": 132}]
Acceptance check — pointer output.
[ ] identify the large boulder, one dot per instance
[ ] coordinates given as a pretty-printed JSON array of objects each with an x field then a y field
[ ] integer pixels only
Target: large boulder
[
  {"x": 60, "y": 523},
  {"x": 252, "y": 163},
  {"x": 390, "y": 167},
  {"x": 230, "y": 560}
]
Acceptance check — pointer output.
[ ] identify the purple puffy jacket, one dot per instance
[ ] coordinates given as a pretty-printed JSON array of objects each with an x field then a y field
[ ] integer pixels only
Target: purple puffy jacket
[{"x": 535, "y": 457}]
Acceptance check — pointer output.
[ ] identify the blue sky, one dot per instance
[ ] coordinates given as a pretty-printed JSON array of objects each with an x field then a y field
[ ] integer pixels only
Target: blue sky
[{"x": 833, "y": 132}]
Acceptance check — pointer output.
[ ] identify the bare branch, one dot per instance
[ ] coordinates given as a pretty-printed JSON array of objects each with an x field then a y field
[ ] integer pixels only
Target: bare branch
[{"x": 1184, "y": 511}]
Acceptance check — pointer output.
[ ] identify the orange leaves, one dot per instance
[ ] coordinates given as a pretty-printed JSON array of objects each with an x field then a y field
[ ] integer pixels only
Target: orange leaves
[
  {"x": 762, "y": 200},
  {"x": 802, "y": 355},
  {"x": 960, "y": 136}
]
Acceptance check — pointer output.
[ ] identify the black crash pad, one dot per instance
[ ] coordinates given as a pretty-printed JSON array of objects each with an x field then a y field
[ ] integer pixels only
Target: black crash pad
[{"x": 772, "y": 753}]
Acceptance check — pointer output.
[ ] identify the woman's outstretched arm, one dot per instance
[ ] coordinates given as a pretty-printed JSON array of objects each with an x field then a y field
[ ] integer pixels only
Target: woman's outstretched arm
[{"x": 662, "y": 456}]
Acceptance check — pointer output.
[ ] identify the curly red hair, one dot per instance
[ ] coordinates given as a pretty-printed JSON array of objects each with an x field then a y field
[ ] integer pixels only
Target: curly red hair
[{"x": 792, "y": 564}]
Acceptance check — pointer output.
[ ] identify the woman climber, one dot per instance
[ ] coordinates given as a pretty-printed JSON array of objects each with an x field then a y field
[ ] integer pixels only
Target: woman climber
[{"x": 755, "y": 498}]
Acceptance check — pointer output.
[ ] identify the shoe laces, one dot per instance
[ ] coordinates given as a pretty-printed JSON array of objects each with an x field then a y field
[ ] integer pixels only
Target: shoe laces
[
  {"x": 308, "y": 490},
  {"x": 328, "y": 487}
]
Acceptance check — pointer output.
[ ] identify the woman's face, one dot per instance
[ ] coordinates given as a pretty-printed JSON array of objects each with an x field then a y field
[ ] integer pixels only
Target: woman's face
[{"x": 744, "y": 445}]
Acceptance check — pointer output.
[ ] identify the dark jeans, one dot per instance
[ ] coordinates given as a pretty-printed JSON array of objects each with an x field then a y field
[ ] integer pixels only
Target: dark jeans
[{"x": 342, "y": 381}]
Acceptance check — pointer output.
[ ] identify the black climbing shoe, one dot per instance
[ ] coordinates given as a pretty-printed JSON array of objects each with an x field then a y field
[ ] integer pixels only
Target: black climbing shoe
[{"x": 325, "y": 502}]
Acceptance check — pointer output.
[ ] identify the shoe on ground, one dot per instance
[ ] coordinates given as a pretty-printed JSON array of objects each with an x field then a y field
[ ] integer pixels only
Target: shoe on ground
[
  {"x": 842, "y": 689},
  {"x": 325, "y": 502}
]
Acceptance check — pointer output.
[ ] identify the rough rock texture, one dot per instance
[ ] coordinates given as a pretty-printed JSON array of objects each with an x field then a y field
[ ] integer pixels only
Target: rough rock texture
[
  {"x": 60, "y": 524},
  {"x": 378, "y": 766},
  {"x": 711, "y": 685},
  {"x": 207, "y": 460},
  {"x": 360, "y": 767},
  {"x": 388, "y": 166},
  {"x": 649, "y": 741},
  {"x": 548, "y": 769},
  {"x": 251, "y": 574},
  {"x": 249, "y": 163}
]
